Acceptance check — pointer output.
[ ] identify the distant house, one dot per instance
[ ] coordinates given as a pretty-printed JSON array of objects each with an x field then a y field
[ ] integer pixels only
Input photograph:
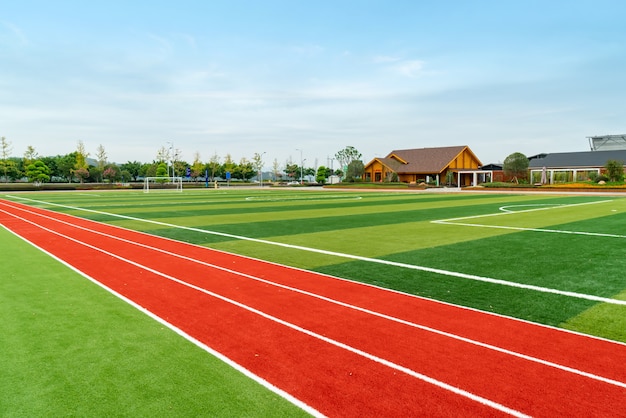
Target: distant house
[
  {"x": 429, "y": 165},
  {"x": 571, "y": 166}
]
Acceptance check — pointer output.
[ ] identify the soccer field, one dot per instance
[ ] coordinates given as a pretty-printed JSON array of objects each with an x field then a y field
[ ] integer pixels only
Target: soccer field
[{"x": 548, "y": 259}]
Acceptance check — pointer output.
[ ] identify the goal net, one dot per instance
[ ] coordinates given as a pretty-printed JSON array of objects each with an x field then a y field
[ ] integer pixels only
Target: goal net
[{"x": 151, "y": 184}]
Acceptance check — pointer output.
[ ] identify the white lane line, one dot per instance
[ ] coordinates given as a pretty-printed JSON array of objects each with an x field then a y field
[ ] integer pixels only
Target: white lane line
[
  {"x": 410, "y": 372},
  {"x": 236, "y": 366},
  {"x": 346, "y": 305},
  {"x": 354, "y": 257}
]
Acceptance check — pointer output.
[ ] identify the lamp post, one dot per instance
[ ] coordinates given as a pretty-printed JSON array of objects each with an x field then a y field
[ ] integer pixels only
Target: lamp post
[
  {"x": 169, "y": 159},
  {"x": 301, "y": 169},
  {"x": 261, "y": 169}
]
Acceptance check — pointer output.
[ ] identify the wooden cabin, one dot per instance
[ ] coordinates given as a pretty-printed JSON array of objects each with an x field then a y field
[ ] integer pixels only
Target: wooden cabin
[{"x": 442, "y": 165}]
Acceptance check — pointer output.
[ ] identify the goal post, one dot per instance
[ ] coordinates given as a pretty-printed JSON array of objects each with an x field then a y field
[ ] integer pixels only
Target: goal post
[{"x": 151, "y": 184}]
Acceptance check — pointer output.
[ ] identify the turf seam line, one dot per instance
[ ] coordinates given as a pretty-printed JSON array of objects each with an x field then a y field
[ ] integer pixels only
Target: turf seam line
[
  {"x": 410, "y": 372},
  {"x": 350, "y": 306},
  {"x": 357, "y": 257}
]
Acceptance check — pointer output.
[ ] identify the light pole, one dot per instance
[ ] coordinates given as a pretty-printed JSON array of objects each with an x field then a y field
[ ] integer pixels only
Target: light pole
[
  {"x": 169, "y": 159},
  {"x": 301, "y": 170},
  {"x": 261, "y": 169}
]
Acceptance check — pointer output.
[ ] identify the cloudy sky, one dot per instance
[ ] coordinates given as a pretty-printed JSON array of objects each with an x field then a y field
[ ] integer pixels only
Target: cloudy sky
[{"x": 279, "y": 76}]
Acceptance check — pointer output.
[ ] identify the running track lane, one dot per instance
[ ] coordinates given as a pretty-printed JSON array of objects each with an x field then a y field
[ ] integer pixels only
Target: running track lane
[{"x": 528, "y": 368}]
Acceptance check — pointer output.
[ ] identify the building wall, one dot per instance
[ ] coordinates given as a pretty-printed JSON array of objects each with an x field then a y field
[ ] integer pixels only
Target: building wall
[
  {"x": 465, "y": 161},
  {"x": 376, "y": 172}
]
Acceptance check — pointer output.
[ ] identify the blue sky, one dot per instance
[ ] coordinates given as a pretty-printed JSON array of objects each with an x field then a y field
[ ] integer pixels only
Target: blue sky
[{"x": 239, "y": 77}]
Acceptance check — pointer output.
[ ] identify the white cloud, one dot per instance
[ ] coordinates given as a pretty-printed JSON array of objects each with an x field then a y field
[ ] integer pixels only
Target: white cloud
[
  {"x": 411, "y": 68},
  {"x": 16, "y": 35},
  {"x": 401, "y": 66}
]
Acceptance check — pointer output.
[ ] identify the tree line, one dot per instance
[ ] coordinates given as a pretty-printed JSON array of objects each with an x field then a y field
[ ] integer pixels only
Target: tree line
[{"x": 78, "y": 167}]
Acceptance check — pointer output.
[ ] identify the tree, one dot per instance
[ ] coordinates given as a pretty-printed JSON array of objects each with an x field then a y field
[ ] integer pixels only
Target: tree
[
  {"x": 214, "y": 166},
  {"x": 133, "y": 168},
  {"x": 292, "y": 170},
  {"x": 38, "y": 172},
  {"x": 5, "y": 151},
  {"x": 10, "y": 169},
  {"x": 614, "y": 170},
  {"x": 516, "y": 165},
  {"x": 82, "y": 174},
  {"x": 161, "y": 170},
  {"x": 244, "y": 170},
  {"x": 95, "y": 174},
  {"x": 355, "y": 171},
  {"x": 163, "y": 155},
  {"x": 179, "y": 167},
  {"x": 197, "y": 168},
  {"x": 51, "y": 162},
  {"x": 149, "y": 169},
  {"x": 321, "y": 174},
  {"x": 81, "y": 168},
  {"x": 111, "y": 173},
  {"x": 65, "y": 166},
  {"x": 101, "y": 158},
  {"x": 126, "y": 176},
  {"x": 308, "y": 172},
  {"x": 257, "y": 164},
  {"x": 81, "y": 156},
  {"x": 30, "y": 156},
  {"x": 229, "y": 165},
  {"x": 347, "y": 155},
  {"x": 276, "y": 170}
]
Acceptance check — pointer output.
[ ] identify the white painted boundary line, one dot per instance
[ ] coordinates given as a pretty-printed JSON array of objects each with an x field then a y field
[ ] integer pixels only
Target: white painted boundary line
[
  {"x": 343, "y": 304},
  {"x": 320, "y": 337},
  {"x": 352, "y": 256},
  {"x": 359, "y": 258},
  {"x": 182, "y": 333},
  {"x": 505, "y": 211}
]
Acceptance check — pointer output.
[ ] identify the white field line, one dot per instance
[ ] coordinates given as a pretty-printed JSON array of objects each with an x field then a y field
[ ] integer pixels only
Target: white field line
[
  {"x": 506, "y": 211},
  {"x": 290, "y": 398},
  {"x": 352, "y": 256},
  {"x": 346, "y": 305},
  {"x": 517, "y": 228},
  {"x": 297, "y": 328}
]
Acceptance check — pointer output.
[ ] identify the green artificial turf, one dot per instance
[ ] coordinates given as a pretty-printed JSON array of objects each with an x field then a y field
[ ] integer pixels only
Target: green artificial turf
[{"x": 398, "y": 227}]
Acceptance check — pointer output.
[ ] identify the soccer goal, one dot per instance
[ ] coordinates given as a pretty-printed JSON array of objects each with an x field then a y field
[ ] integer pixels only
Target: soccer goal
[{"x": 151, "y": 184}]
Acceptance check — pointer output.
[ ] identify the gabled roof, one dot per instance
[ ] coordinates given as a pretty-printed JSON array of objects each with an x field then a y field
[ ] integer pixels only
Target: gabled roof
[
  {"x": 492, "y": 166},
  {"x": 577, "y": 159},
  {"x": 426, "y": 160},
  {"x": 391, "y": 163}
]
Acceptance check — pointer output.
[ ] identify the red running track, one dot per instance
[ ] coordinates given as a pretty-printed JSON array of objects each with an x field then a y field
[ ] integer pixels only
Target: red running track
[{"x": 343, "y": 348}]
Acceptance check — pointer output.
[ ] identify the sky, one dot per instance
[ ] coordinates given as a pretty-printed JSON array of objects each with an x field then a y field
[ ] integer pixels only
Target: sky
[{"x": 298, "y": 80}]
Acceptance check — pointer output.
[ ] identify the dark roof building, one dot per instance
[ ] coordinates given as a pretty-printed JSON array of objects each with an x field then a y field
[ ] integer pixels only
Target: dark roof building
[
  {"x": 586, "y": 159},
  {"x": 571, "y": 166}
]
